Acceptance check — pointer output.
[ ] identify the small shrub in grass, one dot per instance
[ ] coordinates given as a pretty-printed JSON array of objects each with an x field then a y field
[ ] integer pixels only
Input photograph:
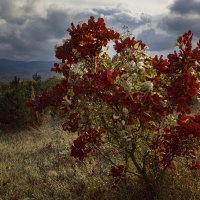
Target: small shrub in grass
[
  {"x": 14, "y": 112},
  {"x": 137, "y": 105},
  {"x": 48, "y": 84},
  {"x": 14, "y": 97}
]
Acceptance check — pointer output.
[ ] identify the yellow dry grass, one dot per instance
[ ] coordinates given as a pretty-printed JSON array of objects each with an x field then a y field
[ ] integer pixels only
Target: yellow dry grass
[
  {"x": 36, "y": 164},
  {"x": 29, "y": 164}
]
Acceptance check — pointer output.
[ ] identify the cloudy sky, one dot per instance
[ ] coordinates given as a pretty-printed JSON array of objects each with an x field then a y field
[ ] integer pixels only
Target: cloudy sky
[{"x": 29, "y": 29}]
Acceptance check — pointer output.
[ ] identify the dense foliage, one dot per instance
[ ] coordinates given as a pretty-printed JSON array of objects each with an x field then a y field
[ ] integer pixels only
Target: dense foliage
[
  {"x": 14, "y": 97},
  {"x": 138, "y": 105}
]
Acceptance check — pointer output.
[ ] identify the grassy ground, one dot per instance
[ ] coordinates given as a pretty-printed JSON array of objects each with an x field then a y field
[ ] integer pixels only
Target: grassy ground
[
  {"x": 33, "y": 164},
  {"x": 36, "y": 164}
]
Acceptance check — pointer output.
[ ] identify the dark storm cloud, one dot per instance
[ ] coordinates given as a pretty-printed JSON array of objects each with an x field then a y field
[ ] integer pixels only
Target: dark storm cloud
[
  {"x": 15, "y": 12},
  {"x": 7, "y": 11},
  {"x": 29, "y": 32},
  {"x": 157, "y": 41},
  {"x": 185, "y": 7},
  {"x": 184, "y": 15},
  {"x": 53, "y": 26},
  {"x": 27, "y": 35},
  {"x": 179, "y": 24},
  {"x": 34, "y": 37}
]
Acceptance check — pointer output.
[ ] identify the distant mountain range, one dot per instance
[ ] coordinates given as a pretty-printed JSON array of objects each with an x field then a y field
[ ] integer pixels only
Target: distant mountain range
[{"x": 24, "y": 70}]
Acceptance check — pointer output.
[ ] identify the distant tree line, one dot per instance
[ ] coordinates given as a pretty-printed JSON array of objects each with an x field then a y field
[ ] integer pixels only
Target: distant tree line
[{"x": 14, "y": 96}]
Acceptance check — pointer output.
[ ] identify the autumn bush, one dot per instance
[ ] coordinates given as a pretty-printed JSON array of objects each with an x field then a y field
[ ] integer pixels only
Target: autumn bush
[{"x": 136, "y": 105}]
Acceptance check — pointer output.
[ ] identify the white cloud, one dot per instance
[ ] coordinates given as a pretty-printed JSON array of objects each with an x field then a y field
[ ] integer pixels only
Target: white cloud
[{"x": 152, "y": 7}]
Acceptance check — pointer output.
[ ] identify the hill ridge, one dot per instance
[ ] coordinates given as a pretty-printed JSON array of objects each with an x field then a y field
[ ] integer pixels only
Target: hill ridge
[{"x": 24, "y": 69}]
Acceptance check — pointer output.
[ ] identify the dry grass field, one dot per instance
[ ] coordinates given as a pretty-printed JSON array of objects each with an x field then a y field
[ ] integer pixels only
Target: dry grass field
[{"x": 36, "y": 164}]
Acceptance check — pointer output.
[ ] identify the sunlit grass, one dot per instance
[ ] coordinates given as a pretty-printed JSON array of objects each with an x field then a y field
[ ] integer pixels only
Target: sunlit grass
[{"x": 36, "y": 164}]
